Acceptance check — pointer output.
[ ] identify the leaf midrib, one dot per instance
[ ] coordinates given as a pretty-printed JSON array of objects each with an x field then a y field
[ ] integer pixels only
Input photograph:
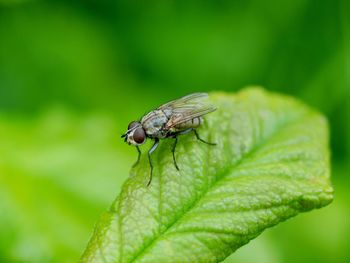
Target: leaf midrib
[{"x": 219, "y": 178}]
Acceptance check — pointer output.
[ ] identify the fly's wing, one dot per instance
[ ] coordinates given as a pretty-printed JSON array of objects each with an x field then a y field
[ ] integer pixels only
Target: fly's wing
[
  {"x": 186, "y": 109},
  {"x": 191, "y": 98}
]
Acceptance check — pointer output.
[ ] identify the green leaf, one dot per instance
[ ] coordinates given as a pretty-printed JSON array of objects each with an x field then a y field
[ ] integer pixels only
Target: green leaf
[{"x": 270, "y": 163}]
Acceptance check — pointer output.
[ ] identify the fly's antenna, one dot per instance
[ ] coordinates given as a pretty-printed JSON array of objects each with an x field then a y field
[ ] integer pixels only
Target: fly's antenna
[{"x": 124, "y": 136}]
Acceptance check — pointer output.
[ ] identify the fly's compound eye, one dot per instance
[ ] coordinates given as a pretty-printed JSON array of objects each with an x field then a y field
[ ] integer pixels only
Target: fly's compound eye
[
  {"x": 139, "y": 135},
  {"x": 132, "y": 124}
]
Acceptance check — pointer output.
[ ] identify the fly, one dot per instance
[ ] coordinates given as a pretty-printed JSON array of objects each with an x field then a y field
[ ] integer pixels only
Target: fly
[{"x": 170, "y": 120}]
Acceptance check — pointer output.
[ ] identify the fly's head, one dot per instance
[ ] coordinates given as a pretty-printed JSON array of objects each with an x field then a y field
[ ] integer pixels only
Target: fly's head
[{"x": 135, "y": 134}]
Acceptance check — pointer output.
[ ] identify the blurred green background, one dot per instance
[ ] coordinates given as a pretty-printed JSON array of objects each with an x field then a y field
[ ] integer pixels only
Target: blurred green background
[{"x": 74, "y": 73}]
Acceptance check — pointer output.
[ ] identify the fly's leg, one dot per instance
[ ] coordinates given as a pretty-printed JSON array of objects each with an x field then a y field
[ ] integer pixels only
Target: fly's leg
[
  {"x": 199, "y": 138},
  {"x": 138, "y": 157},
  {"x": 195, "y": 133},
  {"x": 174, "y": 135},
  {"x": 173, "y": 151},
  {"x": 155, "y": 145}
]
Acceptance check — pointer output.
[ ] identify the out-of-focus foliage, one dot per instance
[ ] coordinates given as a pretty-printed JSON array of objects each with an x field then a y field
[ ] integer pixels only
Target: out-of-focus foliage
[
  {"x": 58, "y": 173},
  {"x": 73, "y": 73}
]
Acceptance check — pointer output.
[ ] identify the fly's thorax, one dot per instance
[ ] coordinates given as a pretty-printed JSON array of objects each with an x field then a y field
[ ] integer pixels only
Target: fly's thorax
[
  {"x": 153, "y": 122},
  {"x": 168, "y": 112}
]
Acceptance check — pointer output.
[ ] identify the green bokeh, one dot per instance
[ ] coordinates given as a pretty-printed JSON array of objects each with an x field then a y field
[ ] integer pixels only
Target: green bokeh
[{"x": 73, "y": 74}]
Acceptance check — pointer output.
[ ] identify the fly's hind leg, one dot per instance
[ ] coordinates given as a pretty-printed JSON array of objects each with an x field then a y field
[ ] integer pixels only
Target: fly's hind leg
[
  {"x": 155, "y": 145},
  {"x": 200, "y": 139}
]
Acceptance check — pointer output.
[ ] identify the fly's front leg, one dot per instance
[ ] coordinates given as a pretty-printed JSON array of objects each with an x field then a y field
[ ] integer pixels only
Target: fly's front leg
[
  {"x": 155, "y": 145},
  {"x": 199, "y": 138},
  {"x": 138, "y": 157}
]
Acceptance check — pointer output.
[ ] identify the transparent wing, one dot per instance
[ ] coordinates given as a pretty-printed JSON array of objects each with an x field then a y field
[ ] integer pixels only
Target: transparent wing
[
  {"x": 186, "y": 109},
  {"x": 188, "y": 115},
  {"x": 184, "y": 101}
]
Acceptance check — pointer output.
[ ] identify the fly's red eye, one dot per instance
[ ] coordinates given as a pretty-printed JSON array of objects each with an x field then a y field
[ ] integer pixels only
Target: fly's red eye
[
  {"x": 133, "y": 124},
  {"x": 139, "y": 135}
]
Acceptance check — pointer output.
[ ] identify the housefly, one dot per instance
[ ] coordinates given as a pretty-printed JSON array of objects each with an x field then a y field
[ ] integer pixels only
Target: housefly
[{"x": 170, "y": 120}]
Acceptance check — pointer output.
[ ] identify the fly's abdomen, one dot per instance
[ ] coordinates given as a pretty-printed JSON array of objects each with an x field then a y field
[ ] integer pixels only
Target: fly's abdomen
[{"x": 194, "y": 123}]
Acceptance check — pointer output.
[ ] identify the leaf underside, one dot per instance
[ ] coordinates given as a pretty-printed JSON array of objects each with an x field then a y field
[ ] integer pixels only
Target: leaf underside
[{"x": 271, "y": 162}]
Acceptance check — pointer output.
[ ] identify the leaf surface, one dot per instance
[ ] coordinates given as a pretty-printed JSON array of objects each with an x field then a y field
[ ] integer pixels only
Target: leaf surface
[{"x": 271, "y": 162}]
